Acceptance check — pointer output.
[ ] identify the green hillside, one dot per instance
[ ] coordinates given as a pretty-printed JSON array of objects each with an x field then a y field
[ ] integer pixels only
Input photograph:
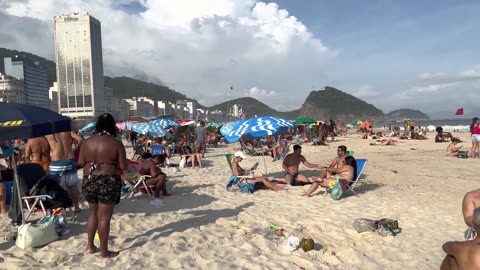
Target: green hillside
[
  {"x": 253, "y": 107},
  {"x": 406, "y": 114}
]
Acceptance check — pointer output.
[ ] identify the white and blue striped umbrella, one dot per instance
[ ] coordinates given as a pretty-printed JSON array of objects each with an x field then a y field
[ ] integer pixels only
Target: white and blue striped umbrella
[
  {"x": 165, "y": 123},
  {"x": 259, "y": 127},
  {"x": 225, "y": 129},
  {"x": 89, "y": 127},
  {"x": 152, "y": 130}
]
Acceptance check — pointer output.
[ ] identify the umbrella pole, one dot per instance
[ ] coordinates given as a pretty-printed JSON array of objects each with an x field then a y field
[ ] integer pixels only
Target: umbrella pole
[
  {"x": 17, "y": 182},
  {"x": 265, "y": 163}
]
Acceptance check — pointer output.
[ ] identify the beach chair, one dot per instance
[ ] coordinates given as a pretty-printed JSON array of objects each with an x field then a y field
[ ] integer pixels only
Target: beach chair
[
  {"x": 361, "y": 163},
  {"x": 158, "y": 149},
  {"x": 240, "y": 181},
  {"x": 135, "y": 181}
]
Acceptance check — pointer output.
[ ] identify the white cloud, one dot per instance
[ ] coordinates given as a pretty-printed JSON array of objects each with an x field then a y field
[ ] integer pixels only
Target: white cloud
[
  {"x": 432, "y": 88},
  {"x": 258, "y": 93},
  {"x": 201, "y": 47},
  {"x": 365, "y": 91}
]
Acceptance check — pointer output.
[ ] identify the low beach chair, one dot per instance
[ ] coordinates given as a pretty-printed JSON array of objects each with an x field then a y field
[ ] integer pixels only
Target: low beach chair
[
  {"x": 240, "y": 181},
  {"x": 361, "y": 163},
  {"x": 135, "y": 181}
]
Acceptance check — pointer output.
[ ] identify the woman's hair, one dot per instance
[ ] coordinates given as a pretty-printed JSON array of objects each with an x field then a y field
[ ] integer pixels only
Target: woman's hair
[
  {"x": 349, "y": 160},
  {"x": 106, "y": 123},
  {"x": 474, "y": 121}
]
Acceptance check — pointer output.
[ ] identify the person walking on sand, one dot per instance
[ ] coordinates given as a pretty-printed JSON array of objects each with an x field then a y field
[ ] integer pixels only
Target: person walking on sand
[
  {"x": 63, "y": 162},
  {"x": 102, "y": 157},
  {"x": 464, "y": 254},
  {"x": 291, "y": 164},
  {"x": 200, "y": 142},
  {"x": 37, "y": 151},
  {"x": 475, "y": 135}
]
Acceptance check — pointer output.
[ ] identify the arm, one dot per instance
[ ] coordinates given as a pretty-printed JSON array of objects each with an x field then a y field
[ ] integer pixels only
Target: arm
[
  {"x": 338, "y": 170},
  {"x": 468, "y": 207},
  {"x": 308, "y": 164},
  {"x": 76, "y": 137},
  {"x": 28, "y": 152},
  {"x": 334, "y": 163},
  {"x": 236, "y": 169},
  {"x": 451, "y": 248},
  {"x": 122, "y": 157},
  {"x": 81, "y": 156}
]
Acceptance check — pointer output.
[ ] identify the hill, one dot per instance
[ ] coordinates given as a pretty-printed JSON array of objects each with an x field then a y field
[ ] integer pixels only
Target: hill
[
  {"x": 331, "y": 103},
  {"x": 253, "y": 107},
  {"x": 406, "y": 114}
]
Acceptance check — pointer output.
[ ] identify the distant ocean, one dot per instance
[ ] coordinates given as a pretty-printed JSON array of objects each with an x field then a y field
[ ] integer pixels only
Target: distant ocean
[{"x": 461, "y": 125}]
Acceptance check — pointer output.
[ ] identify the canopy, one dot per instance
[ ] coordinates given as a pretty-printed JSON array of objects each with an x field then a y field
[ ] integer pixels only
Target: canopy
[
  {"x": 365, "y": 125},
  {"x": 124, "y": 125},
  {"x": 305, "y": 120},
  {"x": 27, "y": 121},
  {"x": 259, "y": 127},
  {"x": 89, "y": 127},
  {"x": 213, "y": 125},
  {"x": 357, "y": 122},
  {"x": 152, "y": 130},
  {"x": 21, "y": 121},
  {"x": 185, "y": 122},
  {"x": 165, "y": 123},
  {"x": 229, "y": 126}
]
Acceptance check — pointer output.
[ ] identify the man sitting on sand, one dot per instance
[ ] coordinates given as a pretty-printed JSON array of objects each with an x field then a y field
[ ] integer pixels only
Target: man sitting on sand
[
  {"x": 239, "y": 171},
  {"x": 463, "y": 255},
  {"x": 291, "y": 164},
  {"x": 453, "y": 148},
  {"x": 442, "y": 136},
  {"x": 158, "y": 178}
]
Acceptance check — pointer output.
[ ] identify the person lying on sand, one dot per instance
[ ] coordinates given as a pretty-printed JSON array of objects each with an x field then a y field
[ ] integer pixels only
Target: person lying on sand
[
  {"x": 463, "y": 254},
  {"x": 384, "y": 142},
  {"x": 453, "y": 148},
  {"x": 346, "y": 173},
  {"x": 239, "y": 171}
]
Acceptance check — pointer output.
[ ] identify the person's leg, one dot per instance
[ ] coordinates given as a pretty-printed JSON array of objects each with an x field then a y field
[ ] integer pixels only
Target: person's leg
[
  {"x": 449, "y": 263},
  {"x": 199, "y": 159},
  {"x": 302, "y": 178},
  {"x": 312, "y": 189},
  {"x": 153, "y": 182},
  {"x": 92, "y": 225},
  {"x": 204, "y": 149},
  {"x": 3, "y": 199},
  {"x": 477, "y": 146},
  {"x": 472, "y": 150},
  {"x": 288, "y": 178},
  {"x": 71, "y": 182},
  {"x": 162, "y": 185},
  {"x": 105, "y": 212}
]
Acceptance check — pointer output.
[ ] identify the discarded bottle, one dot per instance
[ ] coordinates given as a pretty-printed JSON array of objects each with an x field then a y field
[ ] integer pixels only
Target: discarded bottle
[{"x": 364, "y": 225}]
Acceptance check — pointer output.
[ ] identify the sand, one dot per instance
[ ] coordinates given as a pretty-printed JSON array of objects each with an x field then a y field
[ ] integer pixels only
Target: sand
[{"x": 203, "y": 226}]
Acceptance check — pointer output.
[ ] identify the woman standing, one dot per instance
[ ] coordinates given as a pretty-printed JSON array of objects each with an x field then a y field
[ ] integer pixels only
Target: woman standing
[
  {"x": 475, "y": 132},
  {"x": 102, "y": 157}
]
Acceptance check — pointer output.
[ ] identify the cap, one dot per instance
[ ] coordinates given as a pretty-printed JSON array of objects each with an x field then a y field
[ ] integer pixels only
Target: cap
[{"x": 240, "y": 154}]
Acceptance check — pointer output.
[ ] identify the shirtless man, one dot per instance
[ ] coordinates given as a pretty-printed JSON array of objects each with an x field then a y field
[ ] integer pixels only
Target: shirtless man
[
  {"x": 63, "y": 162},
  {"x": 464, "y": 255},
  {"x": 291, "y": 163},
  {"x": 239, "y": 171},
  {"x": 471, "y": 201},
  {"x": 453, "y": 148},
  {"x": 37, "y": 151},
  {"x": 158, "y": 178}
]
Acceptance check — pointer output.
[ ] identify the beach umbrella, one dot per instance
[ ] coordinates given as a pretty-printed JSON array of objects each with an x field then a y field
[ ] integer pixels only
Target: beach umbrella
[
  {"x": 259, "y": 127},
  {"x": 123, "y": 125},
  {"x": 185, "y": 122},
  {"x": 165, "y": 123},
  {"x": 365, "y": 125},
  {"x": 213, "y": 125},
  {"x": 305, "y": 120},
  {"x": 357, "y": 122},
  {"x": 152, "y": 130},
  {"x": 18, "y": 121},
  {"x": 88, "y": 128},
  {"x": 225, "y": 129}
]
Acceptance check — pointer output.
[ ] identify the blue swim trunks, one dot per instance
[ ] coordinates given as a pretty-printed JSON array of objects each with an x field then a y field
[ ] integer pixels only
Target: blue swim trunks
[{"x": 294, "y": 177}]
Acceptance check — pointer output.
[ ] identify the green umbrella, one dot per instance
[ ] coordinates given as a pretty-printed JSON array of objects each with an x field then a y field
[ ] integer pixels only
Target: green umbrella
[
  {"x": 213, "y": 125},
  {"x": 357, "y": 122},
  {"x": 305, "y": 120}
]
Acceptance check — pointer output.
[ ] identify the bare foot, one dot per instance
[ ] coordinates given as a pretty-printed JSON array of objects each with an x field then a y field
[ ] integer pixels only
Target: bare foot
[
  {"x": 108, "y": 254},
  {"x": 90, "y": 250}
]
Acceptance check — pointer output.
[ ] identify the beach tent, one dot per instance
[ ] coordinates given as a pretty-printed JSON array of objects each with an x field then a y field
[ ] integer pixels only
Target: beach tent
[
  {"x": 305, "y": 120},
  {"x": 165, "y": 123},
  {"x": 152, "y": 130},
  {"x": 21, "y": 121},
  {"x": 356, "y": 122}
]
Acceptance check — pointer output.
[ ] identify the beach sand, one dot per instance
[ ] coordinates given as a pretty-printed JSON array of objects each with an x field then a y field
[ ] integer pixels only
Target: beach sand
[{"x": 203, "y": 226}]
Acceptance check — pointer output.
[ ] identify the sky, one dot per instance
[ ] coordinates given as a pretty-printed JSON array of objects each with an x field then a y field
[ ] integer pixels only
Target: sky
[{"x": 393, "y": 54}]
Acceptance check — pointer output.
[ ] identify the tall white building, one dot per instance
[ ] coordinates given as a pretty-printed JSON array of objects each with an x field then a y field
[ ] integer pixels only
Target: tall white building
[
  {"x": 53, "y": 96},
  {"x": 11, "y": 89},
  {"x": 34, "y": 76},
  {"x": 78, "y": 54},
  {"x": 141, "y": 107}
]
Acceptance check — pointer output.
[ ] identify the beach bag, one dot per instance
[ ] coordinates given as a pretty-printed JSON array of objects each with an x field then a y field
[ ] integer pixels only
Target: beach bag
[
  {"x": 337, "y": 190},
  {"x": 36, "y": 235},
  {"x": 462, "y": 154}
]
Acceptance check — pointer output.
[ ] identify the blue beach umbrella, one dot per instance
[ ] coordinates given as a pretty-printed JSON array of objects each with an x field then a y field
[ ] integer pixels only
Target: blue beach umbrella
[
  {"x": 259, "y": 127},
  {"x": 152, "y": 130},
  {"x": 225, "y": 129},
  {"x": 165, "y": 123},
  {"x": 89, "y": 127}
]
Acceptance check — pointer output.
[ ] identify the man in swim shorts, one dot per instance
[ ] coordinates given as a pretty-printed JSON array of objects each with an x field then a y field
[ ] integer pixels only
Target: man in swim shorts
[
  {"x": 63, "y": 163},
  {"x": 291, "y": 163},
  {"x": 37, "y": 151}
]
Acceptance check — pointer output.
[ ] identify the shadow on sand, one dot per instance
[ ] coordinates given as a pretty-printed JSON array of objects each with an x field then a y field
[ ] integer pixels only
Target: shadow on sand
[{"x": 201, "y": 218}]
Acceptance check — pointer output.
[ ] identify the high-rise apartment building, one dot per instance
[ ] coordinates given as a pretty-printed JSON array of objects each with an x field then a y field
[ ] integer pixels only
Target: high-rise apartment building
[
  {"x": 11, "y": 89},
  {"x": 34, "y": 76},
  {"x": 78, "y": 53}
]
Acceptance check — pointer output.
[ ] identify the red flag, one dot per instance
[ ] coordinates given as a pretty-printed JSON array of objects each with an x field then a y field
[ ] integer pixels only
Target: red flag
[{"x": 459, "y": 111}]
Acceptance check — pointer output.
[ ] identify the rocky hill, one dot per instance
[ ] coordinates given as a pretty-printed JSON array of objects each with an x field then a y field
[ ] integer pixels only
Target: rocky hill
[
  {"x": 406, "y": 114},
  {"x": 331, "y": 103},
  {"x": 252, "y": 107}
]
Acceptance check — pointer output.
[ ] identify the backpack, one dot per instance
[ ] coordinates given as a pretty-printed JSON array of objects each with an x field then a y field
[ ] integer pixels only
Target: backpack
[{"x": 337, "y": 190}]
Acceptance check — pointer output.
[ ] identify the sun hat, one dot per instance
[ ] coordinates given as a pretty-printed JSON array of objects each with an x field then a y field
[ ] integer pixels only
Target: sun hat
[{"x": 240, "y": 154}]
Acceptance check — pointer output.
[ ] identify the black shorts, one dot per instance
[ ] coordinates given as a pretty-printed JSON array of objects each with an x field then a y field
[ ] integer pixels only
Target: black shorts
[{"x": 103, "y": 189}]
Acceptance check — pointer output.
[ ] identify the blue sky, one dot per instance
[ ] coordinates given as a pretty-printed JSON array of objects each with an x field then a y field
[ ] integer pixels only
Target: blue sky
[{"x": 393, "y": 54}]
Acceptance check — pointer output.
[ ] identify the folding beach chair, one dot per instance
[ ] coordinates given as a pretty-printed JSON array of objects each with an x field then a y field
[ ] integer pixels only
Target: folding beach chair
[
  {"x": 361, "y": 163},
  {"x": 240, "y": 181},
  {"x": 158, "y": 149},
  {"x": 135, "y": 181}
]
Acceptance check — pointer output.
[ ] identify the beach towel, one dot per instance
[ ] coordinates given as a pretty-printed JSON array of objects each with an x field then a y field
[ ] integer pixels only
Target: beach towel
[
  {"x": 63, "y": 167},
  {"x": 244, "y": 186}
]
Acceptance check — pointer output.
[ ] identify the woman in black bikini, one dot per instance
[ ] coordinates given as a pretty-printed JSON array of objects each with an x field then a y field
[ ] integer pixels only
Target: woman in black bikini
[{"x": 102, "y": 157}]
